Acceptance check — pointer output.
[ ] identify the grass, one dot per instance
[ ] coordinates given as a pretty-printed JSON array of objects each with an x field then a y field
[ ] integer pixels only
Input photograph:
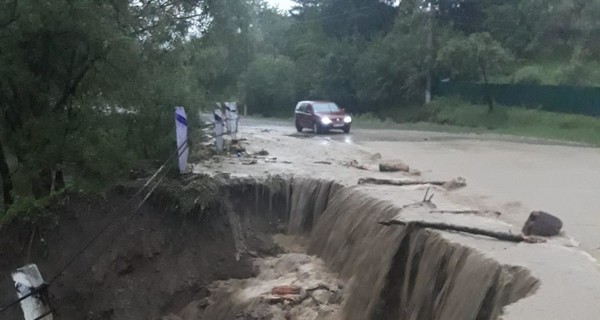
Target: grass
[
  {"x": 454, "y": 115},
  {"x": 371, "y": 121}
]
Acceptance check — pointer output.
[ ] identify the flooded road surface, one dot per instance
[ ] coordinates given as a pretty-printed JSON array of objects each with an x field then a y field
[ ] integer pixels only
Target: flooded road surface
[
  {"x": 510, "y": 174},
  {"x": 514, "y": 178}
]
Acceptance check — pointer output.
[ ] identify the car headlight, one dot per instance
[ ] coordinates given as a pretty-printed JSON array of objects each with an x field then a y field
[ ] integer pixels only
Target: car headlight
[
  {"x": 325, "y": 120},
  {"x": 347, "y": 119}
]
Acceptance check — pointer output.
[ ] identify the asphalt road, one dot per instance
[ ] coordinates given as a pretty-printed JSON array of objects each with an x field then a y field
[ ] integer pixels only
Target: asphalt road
[{"x": 511, "y": 174}]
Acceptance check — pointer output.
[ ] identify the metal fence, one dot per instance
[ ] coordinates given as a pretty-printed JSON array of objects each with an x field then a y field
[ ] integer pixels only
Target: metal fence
[{"x": 566, "y": 99}]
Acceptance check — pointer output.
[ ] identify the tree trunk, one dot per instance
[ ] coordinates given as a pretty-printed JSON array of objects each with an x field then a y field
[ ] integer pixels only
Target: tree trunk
[
  {"x": 59, "y": 180},
  {"x": 42, "y": 185},
  {"x": 7, "y": 185},
  {"x": 486, "y": 85}
]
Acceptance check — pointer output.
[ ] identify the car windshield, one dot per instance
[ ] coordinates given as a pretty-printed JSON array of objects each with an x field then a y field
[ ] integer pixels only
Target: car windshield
[{"x": 325, "y": 107}]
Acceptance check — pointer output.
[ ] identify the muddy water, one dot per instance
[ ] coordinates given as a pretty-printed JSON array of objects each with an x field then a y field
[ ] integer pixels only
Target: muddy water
[
  {"x": 387, "y": 272},
  {"x": 515, "y": 178},
  {"x": 399, "y": 273}
]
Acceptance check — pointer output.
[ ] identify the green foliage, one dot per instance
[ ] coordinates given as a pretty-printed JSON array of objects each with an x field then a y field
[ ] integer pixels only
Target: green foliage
[
  {"x": 370, "y": 120},
  {"x": 87, "y": 88},
  {"x": 576, "y": 72},
  {"x": 458, "y": 113},
  {"x": 516, "y": 121},
  {"x": 31, "y": 210},
  {"x": 528, "y": 75},
  {"x": 391, "y": 70},
  {"x": 270, "y": 86},
  {"x": 473, "y": 57}
]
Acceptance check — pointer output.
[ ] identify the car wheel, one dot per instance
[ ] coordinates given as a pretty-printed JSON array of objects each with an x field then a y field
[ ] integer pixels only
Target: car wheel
[
  {"x": 298, "y": 126},
  {"x": 346, "y": 129},
  {"x": 316, "y": 128}
]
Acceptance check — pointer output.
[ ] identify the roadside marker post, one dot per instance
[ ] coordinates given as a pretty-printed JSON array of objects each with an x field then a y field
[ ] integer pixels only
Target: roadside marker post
[
  {"x": 218, "y": 114},
  {"x": 36, "y": 306},
  {"x": 227, "y": 116},
  {"x": 231, "y": 113},
  {"x": 181, "y": 130}
]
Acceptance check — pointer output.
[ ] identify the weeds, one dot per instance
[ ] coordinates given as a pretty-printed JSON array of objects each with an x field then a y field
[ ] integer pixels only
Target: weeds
[{"x": 505, "y": 120}]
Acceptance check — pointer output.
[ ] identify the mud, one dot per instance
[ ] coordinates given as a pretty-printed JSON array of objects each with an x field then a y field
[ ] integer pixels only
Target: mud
[{"x": 174, "y": 266}]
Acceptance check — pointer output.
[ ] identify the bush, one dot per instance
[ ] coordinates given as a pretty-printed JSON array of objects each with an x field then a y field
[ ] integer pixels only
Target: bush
[
  {"x": 270, "y": 86},
  {"x": 519, "y": 121},
  {"x": 574, "y": 73},
  {"x": 528, "y": 75}
]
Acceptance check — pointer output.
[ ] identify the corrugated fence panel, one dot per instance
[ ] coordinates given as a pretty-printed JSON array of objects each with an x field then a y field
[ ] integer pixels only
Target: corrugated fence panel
[{"x": 567, "y": 99}]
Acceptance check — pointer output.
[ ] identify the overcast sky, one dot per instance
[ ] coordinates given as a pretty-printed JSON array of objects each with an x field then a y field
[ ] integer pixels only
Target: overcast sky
[{"x": 282, "y": 4}]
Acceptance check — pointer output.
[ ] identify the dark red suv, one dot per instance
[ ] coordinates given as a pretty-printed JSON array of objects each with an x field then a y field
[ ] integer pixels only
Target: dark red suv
[{"x": 321, "y": 116}]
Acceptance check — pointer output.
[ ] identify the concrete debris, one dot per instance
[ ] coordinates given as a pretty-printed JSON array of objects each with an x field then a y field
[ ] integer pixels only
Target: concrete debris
[
  {"x": 355, "y": 164},
  {"x": 395, "y": 166},
  {"x": 414, "y": 172},
  {"x": 455, "y": 184},
  {"x": 376, "y": 157},
  {"x": 449, "y": 185}
]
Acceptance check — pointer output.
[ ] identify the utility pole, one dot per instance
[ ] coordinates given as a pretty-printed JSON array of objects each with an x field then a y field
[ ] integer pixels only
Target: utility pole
[{"x": 429, "y": 54}]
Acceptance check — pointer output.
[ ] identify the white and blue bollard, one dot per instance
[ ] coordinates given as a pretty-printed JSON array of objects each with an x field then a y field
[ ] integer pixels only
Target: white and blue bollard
[
  {"x": 218, "y": 117},
  {"x": 231, "y": 113},
  {"x": 37, "y": 305},
  {"x": 181, "y": 129}
]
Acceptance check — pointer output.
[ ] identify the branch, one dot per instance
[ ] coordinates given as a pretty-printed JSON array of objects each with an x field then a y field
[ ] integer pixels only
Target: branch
[
  {"x": 396, "y": 182},
  {"x": 466, "y": 211},
  {"x": 505, "y": 236},
  {"x": 73, "y": 84},
  {"x": 184, "y": 17}
]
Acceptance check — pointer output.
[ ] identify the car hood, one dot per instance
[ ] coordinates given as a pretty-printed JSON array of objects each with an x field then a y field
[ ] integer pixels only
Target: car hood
[{"x": 331, "y": 114}]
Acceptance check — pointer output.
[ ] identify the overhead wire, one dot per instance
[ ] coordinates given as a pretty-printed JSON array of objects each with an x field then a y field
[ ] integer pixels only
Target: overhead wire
[{"x": 182, "y": 148}]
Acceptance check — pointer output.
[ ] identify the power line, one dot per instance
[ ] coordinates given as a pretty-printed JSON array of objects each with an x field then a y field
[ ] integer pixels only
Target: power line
[
  {"x": 34, "y": 291},
  {"x": 90, "y": 242},
  {"x": 180, "y": 150}
]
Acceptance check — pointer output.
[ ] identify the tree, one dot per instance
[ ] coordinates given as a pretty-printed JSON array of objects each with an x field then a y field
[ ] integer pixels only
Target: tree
[
  {"x": 67, "y": 67},
  {"x": 269, "y": 85},
  {"x": 478, "y": 54}
]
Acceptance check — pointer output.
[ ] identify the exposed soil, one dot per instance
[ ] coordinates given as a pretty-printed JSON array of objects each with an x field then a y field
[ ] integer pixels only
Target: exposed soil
[
  {"x": 141, "y": 268},
  {"x": 221, "y": 259}
]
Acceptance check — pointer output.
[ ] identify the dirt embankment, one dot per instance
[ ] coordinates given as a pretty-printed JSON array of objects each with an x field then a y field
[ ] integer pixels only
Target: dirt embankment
[
  {"x": 174, "y": 266},
  {"x": 145, "y": 266}
]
